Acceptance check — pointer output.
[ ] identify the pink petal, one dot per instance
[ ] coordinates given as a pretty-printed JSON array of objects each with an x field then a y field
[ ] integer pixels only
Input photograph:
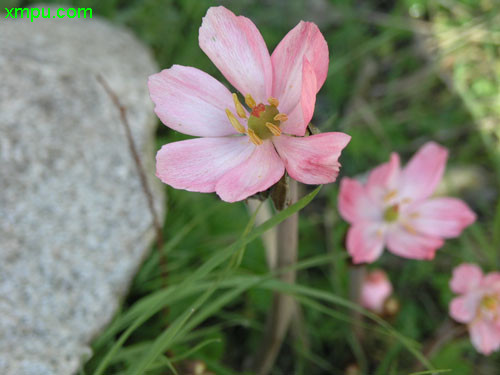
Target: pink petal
[
  {"x": 412, "y": 245},
  {"x": 442, "y": 217},
  {"x": 191, "y": 101},
  {"x": 300, "y": 115},
  {"x": 463, "y": 309},
  {"x": 365, "y": 242},
  {"x": 485, "y": 336},
  {"x": 375, "y": 290},
  {"x": 197, "y": 164},
  {"x": 384, "y": 179},
  {"x": 466, "y": 277},
  {"x": 424, "y": 171},
  {"x": 313, "y": 159},
  {"x": 258, "y": 173},
  {"x": 355, "y": 204},
  {"x": 238, "y": 50},
  {"x": 304, "y": 40}
]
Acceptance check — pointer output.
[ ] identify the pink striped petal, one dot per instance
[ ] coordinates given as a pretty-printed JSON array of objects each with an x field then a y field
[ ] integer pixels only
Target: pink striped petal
[
  {"x": 423, "y": 172},
  {"x": 300, "y": 116},
  {"x": 258, "y": 173},
  {"x": 485, "y": 336},
  {"x": 313, "y": 159},
  {"x": 191, "y": 101},
  {"x": 238, "y": 50},
  {"x": 355, "y": 204},
  {"x": 384, "y": 178},
  {"x": 304, "y": 40},
  {"x": 365, "y": 242},
  {"x": 442, "y": 217},
  {"x": 466, "y": 277},
  {"x": 376, "y": 288},
  {"x": 463, "y": 309},
  {"x": 198, "y": 164},
  {"x": 412, "y": 245}
]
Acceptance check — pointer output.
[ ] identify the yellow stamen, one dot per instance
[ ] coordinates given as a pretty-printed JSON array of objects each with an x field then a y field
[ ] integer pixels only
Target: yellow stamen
[
  {"x": 414, "y": 215},
  {"x": 249, "y": 100},
  {"x": 234, "y": 121},
  {"x": 281, "y": 117},
  {"x": 390, "y": 195},
  {"x": 273, "y": 101},
  {"x": 239, "y": 108},
  {"x": 254, "y": 138},
  {"x": 273, "y": 129},
  {"x": 409, "y": 228}
]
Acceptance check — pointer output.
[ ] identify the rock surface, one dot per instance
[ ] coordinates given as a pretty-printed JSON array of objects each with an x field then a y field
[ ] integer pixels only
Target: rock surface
[{"x": 74, "y": 222}]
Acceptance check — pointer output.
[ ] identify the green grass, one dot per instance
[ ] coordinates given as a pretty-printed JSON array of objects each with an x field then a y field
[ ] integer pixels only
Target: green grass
[{"x": 390, "y": 93}]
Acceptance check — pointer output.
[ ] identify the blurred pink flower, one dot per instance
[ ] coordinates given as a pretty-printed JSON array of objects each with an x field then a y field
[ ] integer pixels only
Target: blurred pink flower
[
  {"x": 375, "y": 290},
  {"x": 245, "y": 151},
  {"x": 478, "y": 305},
  {"x": 394, "y": 208}
]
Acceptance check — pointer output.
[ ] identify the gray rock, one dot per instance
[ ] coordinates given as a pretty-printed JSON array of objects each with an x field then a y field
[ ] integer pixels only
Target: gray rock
[{"x": 74, "y": 222}]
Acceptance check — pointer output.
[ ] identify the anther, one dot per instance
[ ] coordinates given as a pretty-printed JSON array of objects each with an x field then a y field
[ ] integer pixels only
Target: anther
[
  {"x": 390, "y": 195},
  {"x": 273, "y": 129},
  {"x": 273, "y": 101},
  {"x": 254, "y": 138},
  {"x": 234, "y": 121},
  {"x": 249, "y": 101},
  {"x": 409, "y": 228},
  {"x": 281, "y": 117},
  {"x": 239, "y": 108}
]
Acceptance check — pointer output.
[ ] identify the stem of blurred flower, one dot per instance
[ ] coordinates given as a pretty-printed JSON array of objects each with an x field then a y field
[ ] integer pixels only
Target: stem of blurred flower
[
  {"x": 357, "y": 274},
  {"x": 283, "y": 305}
]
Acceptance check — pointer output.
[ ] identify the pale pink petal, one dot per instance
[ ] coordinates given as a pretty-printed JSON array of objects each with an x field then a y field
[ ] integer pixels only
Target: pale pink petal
[
  {"x": 355, "y": 204},
  {"x": 314, "y": 159},
  {"x": 300, "y": 116},
  {"x": 463, "y": 309},
  {"x": 441, "y": 217},
  {"x": 191, "y": 101},
  {"x": 304, "y": 40},
  {"x": 492, "y": 282},
  {"x": 485, "y": 336},
  {"x": 365, "y": 242},
  {"x": 412, "y": 245},
  {"x": 258, "y": 173},
  {"x": 466, "y": 277},
  {"x": 376, "y": 288},
  {"x": 197, "y": 164},
  {"x": 384, "y": 179},
  {"x": 423, "y": 172},
  {"x": 237, "y": 48}
]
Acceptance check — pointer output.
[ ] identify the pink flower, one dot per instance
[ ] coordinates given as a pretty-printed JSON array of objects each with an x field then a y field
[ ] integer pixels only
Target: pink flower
[
  {"x": 478, "y": 305},
  {"x": 394, "y": 208},
  {"x": 244, "y": 151},
  {"x": 375, "y": 290}
]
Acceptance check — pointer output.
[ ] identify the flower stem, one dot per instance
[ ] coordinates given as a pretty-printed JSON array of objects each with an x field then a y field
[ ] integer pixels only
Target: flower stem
[{"x": 283, "y": 305}]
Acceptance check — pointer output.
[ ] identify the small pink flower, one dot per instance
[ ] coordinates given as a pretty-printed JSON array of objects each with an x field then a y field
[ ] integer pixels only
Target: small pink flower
[
  {"x": 375, "y": 290},
  {"x": 478, "y": 305},
  {"x": 394, "y": 208},
  {"x": 245, "y": 151}
]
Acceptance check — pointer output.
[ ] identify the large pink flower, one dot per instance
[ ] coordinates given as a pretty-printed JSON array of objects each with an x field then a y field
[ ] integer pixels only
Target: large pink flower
[
  {"x": 245, "y": 151},
  {"x": 375, "y": 290},
  {"x": 478, "y": 305},
  {"x": 394, "y": 208}
]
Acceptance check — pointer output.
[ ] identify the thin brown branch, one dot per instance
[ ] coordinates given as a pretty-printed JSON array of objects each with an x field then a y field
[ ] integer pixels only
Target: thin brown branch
[{"x": 142, "y": 174}]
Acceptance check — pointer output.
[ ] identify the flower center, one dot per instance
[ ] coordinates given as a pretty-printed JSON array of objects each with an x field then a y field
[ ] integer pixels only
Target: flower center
[
  {"x": 264, "y": 121},
  {"x": 489, "y": 303},
  {"x": 391, "y": 213}
]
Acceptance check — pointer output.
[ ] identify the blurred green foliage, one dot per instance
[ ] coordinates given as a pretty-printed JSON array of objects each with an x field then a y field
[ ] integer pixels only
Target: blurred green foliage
[{"x": 402, "y": 73}]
